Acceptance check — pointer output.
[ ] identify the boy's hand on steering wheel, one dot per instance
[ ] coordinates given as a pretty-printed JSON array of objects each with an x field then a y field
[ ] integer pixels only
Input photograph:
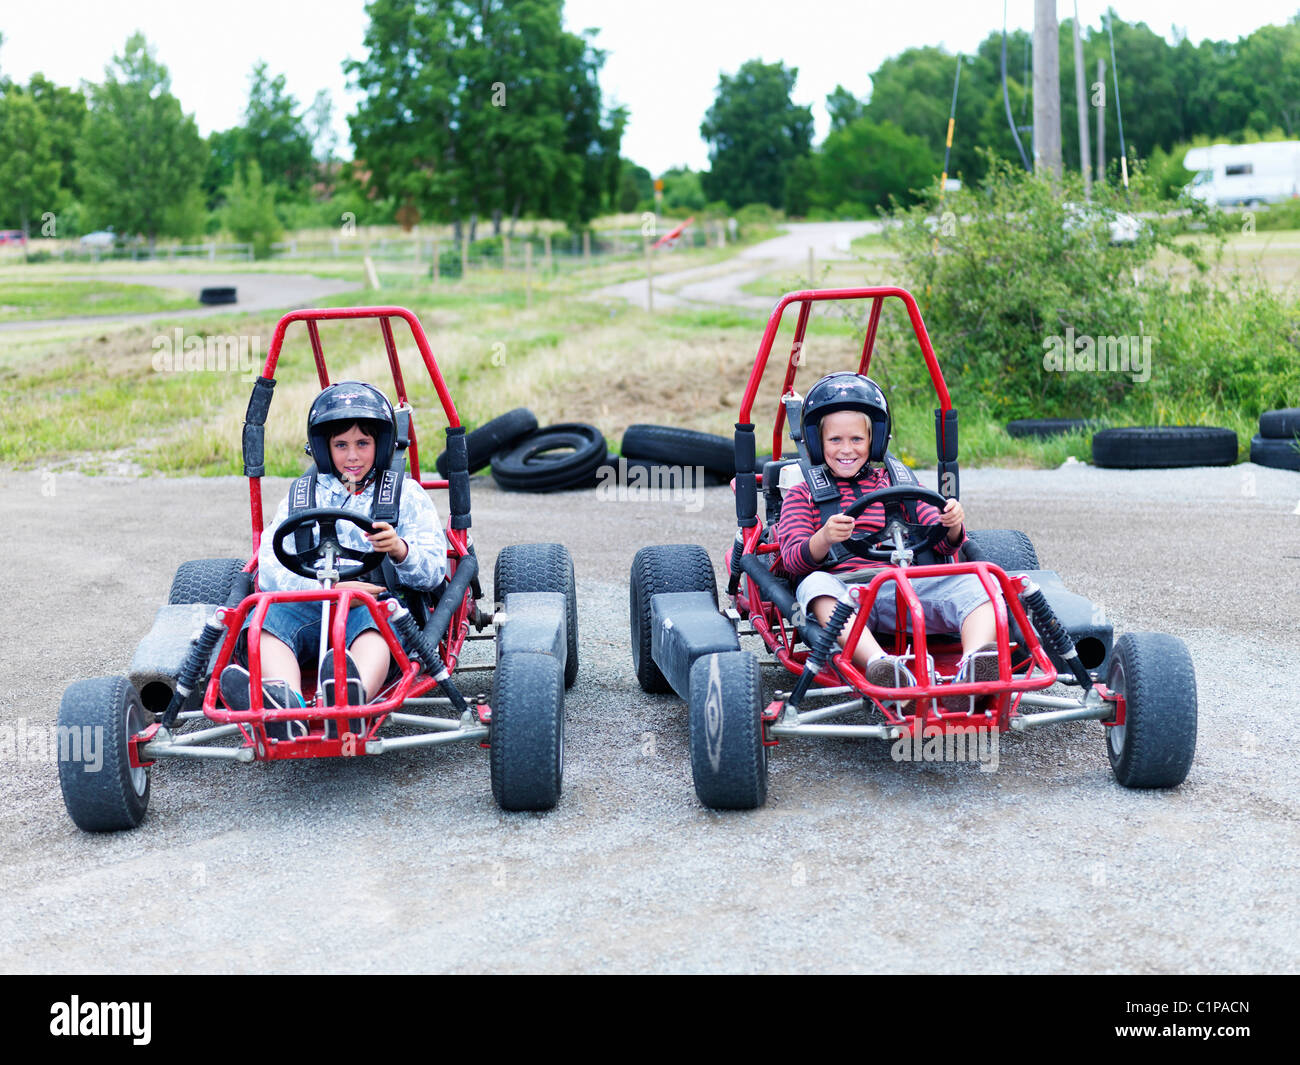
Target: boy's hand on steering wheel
[
  {"x": 952, "y": 517},
  {"x": 385, "y": 539},
  {"x": 838, "y": 528}
]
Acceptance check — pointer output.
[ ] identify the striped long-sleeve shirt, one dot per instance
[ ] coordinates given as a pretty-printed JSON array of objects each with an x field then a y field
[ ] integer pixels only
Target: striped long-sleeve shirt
[{"x": 800, "y": 518}]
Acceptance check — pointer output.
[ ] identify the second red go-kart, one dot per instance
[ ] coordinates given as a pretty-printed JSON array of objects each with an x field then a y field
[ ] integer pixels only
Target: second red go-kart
[
  {"x": 1142, "y": 687},
  {"x": 169, "y": 705}
]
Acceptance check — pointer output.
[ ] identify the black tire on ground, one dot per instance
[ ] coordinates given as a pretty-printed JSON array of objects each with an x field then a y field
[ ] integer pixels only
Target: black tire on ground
[
  {"x": 1164, "y": 447},
  {"x": 553, "y": 459},
  {"x": 204, "y": 580},
  {"x": 110, "y": 796},
  {"x": 526, "y": 755},
  {"x": 1155, "y": 745},
  {"x": 490, "y": 437},
  {"x": 1008, "y": 548},
  {"x": 221, "y": 294},
  {"x": 662, "y": 568},
  {"x": 1043, "y": 427},
  {"x": 1281, "y": 424},
  {"x": 728, "y": 758},
  {"x": 1279, "y": 454},
  {"x": 681, "y": 447},
  {"x": 542, "y": 568}
]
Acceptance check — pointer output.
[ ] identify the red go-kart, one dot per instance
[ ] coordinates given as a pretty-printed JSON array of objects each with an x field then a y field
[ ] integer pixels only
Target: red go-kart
[
  {"x": 170, "y": 706},
  {"x": 1142, "y": 688}
]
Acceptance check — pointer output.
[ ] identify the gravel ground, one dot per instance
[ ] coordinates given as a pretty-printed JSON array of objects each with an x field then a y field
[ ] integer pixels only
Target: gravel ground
[{"x": 856, "y": 863}]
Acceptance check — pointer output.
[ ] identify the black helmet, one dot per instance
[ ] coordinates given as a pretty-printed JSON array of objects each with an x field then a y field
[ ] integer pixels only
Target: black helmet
[
  {"x": 839, "y": 391},
  {"x": 347, "y": 402}
]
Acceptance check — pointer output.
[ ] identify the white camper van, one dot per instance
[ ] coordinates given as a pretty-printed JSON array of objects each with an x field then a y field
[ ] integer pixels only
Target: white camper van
[{"x": 1266, "y": 172}]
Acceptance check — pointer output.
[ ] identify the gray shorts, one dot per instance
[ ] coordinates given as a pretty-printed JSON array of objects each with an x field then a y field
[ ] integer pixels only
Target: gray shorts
[{"x": 945, "y": 601}]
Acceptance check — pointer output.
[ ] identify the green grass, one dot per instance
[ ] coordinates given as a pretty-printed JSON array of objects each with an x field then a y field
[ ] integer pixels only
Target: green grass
[
  {"x": 96, "y": 394},
  {"x": 34, "y": 300}
]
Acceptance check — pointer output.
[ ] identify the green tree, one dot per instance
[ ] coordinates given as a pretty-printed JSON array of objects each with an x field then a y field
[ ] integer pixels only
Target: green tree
[
  {"x": 250, "y": 210},
  {"x": 635, "y": 186},
  {"x": 225, "y": 152},
  {"x": 29, "y": 168},
  {"x": 65, "y": 112},
  {"x": 483, "y": 109},
  {"x": 867, "y": 166},
  {"x": 140, "y": 155},
  {"x": 682, "y": 190},
  {"x": 843, "y": 107},
  {"x": 274, "y": 133},
  {"x": 754, "y": 133}
]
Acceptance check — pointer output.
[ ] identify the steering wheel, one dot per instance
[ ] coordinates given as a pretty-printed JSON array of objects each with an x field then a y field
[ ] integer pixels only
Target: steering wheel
[
  {"x": 301, "y": 563},
  {"x": 918, "y": 537}
]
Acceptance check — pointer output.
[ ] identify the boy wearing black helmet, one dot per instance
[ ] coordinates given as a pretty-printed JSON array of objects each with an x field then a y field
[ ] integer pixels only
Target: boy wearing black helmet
[
  {"x": 351, "y": 434},
  {"x": 846, "y": 428}
]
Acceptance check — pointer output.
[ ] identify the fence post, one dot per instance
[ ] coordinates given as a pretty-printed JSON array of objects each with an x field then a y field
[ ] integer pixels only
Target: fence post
[
  {"x": 649, "y": 277},
  {"x": 437, "y": 257},
  {"x": 586, "y": 247},
  {"x": 464, "y": 254},
  {"x": 547, "y": 265},
  {"x": 528, "y": 273},
  {"x": 505, "y": 252}
]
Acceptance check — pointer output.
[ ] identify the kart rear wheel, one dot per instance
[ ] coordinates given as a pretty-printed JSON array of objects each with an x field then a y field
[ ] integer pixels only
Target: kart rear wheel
[
  {"x": 542, "y": 568},
  {"x": 526, "y": 756},
  {"x": 728, "y": 757},
  {"x": 1155, "y": 745},
  {"x": 106, "y": 794},
  {"x": 204, "y": 580},
  {"x": 662, "y": 568}
]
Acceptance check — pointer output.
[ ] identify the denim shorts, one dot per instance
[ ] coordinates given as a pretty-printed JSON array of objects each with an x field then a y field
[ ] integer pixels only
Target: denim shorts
[
  {"x": 945, "y": 601},
  {"x": 298, "y": 626}
]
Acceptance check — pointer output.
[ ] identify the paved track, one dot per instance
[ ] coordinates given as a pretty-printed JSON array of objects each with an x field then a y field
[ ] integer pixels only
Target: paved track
[{"x": 856, "y": 863}]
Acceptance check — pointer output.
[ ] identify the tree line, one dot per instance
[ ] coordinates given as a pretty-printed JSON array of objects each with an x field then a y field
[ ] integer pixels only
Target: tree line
[{"x": 483, "y": 113}]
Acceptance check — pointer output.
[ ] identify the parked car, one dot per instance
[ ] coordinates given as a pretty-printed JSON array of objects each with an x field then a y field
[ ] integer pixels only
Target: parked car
[{"x": 13, "y": 236}]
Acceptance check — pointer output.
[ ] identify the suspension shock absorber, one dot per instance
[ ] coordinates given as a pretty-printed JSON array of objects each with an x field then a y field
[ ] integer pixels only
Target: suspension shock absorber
[
  {"x": 821, "y": 647},
  {"x": 1052, "y": 631},
  {"x": 737, "y": 550},
  {"x": 191, "y": 670},
  {"x": 419, "y": 645}
]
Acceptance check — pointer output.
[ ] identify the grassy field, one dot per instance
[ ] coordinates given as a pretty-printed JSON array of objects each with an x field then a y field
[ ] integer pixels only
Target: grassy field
[
  {"x": 99, "y": 397},
  {"x": 32, "y": 300}
]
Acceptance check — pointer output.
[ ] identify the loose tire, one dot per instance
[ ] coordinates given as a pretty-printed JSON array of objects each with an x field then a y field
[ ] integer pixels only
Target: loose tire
[
  {"x": 205, "y": 580},
  {"x": 542, "y": 568},
  {"x": 1155, "y": 745},
  {"x": 490, "y": 437},
  {"x": 114, "y": 795},
  {"x": 1164, "y": 447},
  {"x": 1045, "y": 427},
  {"x": 1008, "y": 548},
  {"x": 1282, "y": 424},
  {"x": 681, "y": 447},
  {"x": 217, "y": 294},
  {"x": 526, "y": 756},
  {"x": 554, "y": 459},
  {"x": 728, "y": 758},
  {"x": 1278, "y": 454},
  {"x": 669, "y": 568}
]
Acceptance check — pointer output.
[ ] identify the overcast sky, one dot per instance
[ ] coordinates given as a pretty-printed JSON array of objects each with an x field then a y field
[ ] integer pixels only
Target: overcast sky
[{"x": 663, "y": 57}]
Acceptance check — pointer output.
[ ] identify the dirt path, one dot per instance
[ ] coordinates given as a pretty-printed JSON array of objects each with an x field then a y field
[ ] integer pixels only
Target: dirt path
[
  {"x": 256, "y": 292},
  {"x": 722, "y": 284}
]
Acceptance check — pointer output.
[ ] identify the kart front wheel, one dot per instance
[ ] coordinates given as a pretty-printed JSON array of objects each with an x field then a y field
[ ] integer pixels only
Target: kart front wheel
[
  {"x": 542, "y": 568},
  {"x": 101, "y": 789},
  {"x": 1155, "y": 745},
  {"x": 662, "y": 568},
  {"x": 728, "y": 757},
  {"x": 526, "y": 740}
]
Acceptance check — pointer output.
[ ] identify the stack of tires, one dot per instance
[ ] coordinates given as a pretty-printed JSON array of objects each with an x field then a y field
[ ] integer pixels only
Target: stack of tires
[
  {"x": 1277, "y": 444},
  {"x": 526, "y": 458},
  {"x": 1164, "y": 447}
]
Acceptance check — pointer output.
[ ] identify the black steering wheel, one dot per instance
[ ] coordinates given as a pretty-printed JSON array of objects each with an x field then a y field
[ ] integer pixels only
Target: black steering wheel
[
  {"x": 302, "y": 563},
  {"x": 917, "y": 537}
]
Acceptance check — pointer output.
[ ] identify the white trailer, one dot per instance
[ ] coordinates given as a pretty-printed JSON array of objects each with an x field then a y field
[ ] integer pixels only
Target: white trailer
[{"x": 1266, "y": 172}]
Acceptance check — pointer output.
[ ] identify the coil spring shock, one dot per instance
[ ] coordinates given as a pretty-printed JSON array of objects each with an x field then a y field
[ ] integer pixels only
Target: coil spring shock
[
  {"x": 821, "y": 647},
  {"x": 426, "y": 652},
  {"x": 1053, "y": 632}
]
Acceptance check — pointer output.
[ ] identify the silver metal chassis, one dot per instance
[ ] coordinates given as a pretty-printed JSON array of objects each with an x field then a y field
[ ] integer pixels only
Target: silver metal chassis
[
  {"x": 1055, "y": 709},
  {"x": 437, "y": 730}
]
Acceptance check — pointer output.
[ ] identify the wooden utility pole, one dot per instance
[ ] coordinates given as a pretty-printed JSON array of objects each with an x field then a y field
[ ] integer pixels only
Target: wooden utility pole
[
  {"x": 1100, "y": 89},
  {"x": 1047, "y": 88},
  {"x": 1081, "y": 105}
]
